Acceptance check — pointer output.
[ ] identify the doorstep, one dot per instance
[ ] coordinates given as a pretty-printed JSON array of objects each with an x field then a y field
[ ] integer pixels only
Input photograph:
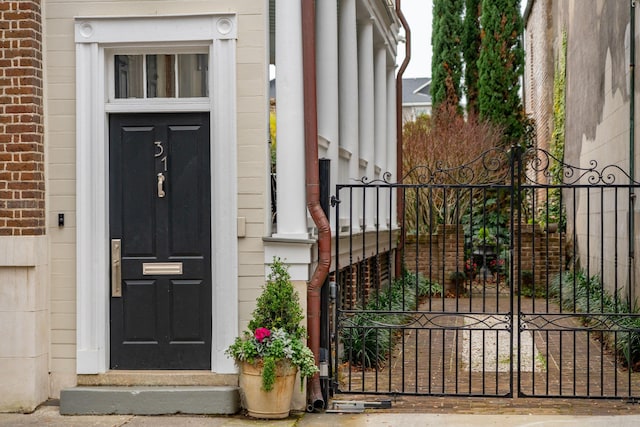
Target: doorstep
[{"x": 149, "y": 400}]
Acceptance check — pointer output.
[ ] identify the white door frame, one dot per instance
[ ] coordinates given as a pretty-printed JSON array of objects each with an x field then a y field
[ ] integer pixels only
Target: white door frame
[{"x": 95, "y": 37}]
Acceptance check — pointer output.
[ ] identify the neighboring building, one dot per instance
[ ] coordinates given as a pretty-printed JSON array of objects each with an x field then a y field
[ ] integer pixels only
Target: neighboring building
[
  {"x": 416, "y": 97},
  {"x": 135, "y": 208},
  {"x": 599, "y": 113}
]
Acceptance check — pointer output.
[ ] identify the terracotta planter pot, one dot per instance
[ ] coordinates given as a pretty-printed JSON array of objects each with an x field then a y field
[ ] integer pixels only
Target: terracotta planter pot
[{"x": 275, "y": 403}]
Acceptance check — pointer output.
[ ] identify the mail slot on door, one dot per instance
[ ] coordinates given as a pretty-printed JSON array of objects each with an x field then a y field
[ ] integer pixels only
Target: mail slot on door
[{"x": 161, "y": 268}]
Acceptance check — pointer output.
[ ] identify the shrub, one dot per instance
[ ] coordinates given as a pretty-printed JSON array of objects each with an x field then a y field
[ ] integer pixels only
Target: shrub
[
  {"x": 364, "y": 345},
  {"x": 576, "y": 292},
  {"x": 368, "y": 336},
  {"x": 433, "y": 150}
]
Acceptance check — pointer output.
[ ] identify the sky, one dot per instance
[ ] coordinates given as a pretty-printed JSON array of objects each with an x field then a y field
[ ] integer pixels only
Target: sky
[{"x": 418, "y": 16}]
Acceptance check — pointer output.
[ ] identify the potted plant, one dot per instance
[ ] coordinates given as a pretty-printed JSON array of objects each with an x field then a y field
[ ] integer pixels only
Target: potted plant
[
  {"x": 272, "y": 350},
  {"x": 551, "y": 214},
  {"x": 484, "y": 238},
  {"x": 456, "y": 284}
]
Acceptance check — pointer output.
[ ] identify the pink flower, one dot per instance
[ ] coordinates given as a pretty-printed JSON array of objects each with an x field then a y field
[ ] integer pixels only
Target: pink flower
[{"x": 261, "y": 334}]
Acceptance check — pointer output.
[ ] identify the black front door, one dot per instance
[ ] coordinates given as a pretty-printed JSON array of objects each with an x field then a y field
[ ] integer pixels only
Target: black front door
[{"x": 160, "y": 223}]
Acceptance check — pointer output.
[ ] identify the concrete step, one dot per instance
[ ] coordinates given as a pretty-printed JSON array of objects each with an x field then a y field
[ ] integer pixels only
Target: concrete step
[{"x": 149, "y": 400}]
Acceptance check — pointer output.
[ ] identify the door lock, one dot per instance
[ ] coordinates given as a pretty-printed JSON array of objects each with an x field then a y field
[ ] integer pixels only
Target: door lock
[
  {"x": 161, "y": 179},
  {"x": 116, "y": 268}
]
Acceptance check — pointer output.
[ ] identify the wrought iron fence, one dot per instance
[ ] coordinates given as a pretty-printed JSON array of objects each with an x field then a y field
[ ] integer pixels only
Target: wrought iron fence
[{"x": 480, "y": 294}]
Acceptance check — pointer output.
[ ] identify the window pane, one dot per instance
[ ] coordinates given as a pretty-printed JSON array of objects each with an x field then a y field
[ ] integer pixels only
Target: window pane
[
  {"x": 128, "y": 76},
  {"x": 160, "y": 76},
  {"x": 193, "y": 75}
]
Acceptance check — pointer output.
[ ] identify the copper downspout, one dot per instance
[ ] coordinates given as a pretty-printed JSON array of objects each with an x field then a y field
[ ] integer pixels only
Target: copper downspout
[
  {"x": 312, "y": 179},
  {"x": 399, "y": 159}
]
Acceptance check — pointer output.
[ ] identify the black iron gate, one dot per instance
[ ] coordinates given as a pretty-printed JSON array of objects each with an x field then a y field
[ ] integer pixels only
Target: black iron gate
[{"x": 511, "y": 274}]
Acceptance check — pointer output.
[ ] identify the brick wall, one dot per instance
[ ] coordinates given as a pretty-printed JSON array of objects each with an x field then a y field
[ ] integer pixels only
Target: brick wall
[
  {"x": 360, "y": 280},
  {"x": 437, "y": 254},
  {"x": 539, "y": 71},
  {"x": 21, "y": 120}
]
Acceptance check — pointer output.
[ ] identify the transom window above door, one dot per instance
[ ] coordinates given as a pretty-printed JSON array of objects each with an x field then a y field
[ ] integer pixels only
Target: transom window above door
[{"x": 142, "y": 76}]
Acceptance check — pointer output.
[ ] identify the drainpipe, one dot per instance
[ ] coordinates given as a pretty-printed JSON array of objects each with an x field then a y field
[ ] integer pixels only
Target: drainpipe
[
  {"x": 312, "y": 180},
  {"x": 399, "y": 160},
  {"x": 632, "y": 143}
]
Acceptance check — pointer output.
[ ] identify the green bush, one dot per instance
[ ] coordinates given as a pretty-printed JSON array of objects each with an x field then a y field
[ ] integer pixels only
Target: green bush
[
  {"x": 576, "y": 292},
  {"x": 364, "y": 345},
  {"x": 368, "y": 336}
]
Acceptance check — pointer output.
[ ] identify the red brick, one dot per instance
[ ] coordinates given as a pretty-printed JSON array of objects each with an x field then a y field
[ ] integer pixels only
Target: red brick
[
  {"x": 23, "y": 223},
  {"x": 33, "y": 214},
  {"x": 20, "y": 34},
  {"x": 21, "y": 185},
  {"x": 16, "y": 109},
  {"x": 14, "y": 90},
  {"x": 21, "y": 147},
  {"x": 34, "y": 138},
  {"x": 31, "y": 157},
  {"x": 34, "y": 231},
  {"x": 20, "y": 166}
]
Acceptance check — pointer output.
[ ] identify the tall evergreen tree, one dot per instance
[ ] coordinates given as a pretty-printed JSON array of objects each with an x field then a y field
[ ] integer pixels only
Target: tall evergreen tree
[
  {"x": 500, "y": 66},
  {"x": 471, "y": 53},
  {"x": 446, "y": 65}
]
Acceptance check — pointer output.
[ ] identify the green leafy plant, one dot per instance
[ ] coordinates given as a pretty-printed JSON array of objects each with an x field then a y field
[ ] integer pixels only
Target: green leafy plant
[
  {"x": 274, "y": 333},
  {"x": 365, "y": 345},
  {"x": 484, "y": 237},
  {"x": 528, "y": 287},
  {"x": 577, "y": 292},
  {"x": 368, "y": 336},
  {"x": 552, "y": 210},
  {"x": 457, "y": 276},
  {"x": 486, "y": 219}
]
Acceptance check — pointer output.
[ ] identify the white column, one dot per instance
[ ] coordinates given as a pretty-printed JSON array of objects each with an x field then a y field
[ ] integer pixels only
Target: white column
[
  {"x": 291, "y": 197},
  {"x": 348, "y": 86},
  {"x": 327, "y": 89},
  {"x": 392, "y": 137},
  {"x": 380, "y": 111},
  {"x": 367, "y": 113}
]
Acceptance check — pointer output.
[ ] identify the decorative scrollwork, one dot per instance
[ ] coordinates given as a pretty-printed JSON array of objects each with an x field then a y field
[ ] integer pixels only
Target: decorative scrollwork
[
  {"x": 538, "y": 165},
  {"x": 490, "y": 167},
  {"x": 425, "y": 320},
  {"x": 384, "y": 179},
  {"x": 595, "y": 322},
  {"x": 493, "y": 167}
]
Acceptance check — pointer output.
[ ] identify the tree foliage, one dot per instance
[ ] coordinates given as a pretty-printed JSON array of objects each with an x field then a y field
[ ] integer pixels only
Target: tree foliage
[
  {"x": 471, "y": 53},
  {"x": 500, "y": 66},
  {"x": 446, "y": 65}
]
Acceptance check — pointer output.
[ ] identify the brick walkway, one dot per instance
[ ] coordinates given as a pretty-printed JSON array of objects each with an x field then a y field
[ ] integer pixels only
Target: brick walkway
[{"x": 434, "y": 357}]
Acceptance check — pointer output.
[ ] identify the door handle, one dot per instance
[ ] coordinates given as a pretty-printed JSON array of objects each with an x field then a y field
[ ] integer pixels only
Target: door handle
[
  {"x": 116, "y": 268},
  {"x": 161, "y": 179}
]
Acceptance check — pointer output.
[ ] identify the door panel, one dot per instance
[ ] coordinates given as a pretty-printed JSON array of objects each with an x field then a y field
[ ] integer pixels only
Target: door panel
[
  {"x": 185, "y": 206},
  {"x": 160, "y": 209}
]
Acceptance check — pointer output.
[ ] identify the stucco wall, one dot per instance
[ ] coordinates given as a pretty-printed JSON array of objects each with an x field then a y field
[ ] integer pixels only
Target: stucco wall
[
  {"x": 597, "y": 118},
  {"x": 60, "y": 141}
]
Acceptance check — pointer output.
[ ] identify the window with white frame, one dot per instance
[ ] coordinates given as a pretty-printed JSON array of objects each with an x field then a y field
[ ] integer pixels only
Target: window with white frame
[{"x": 166, "y": 75}]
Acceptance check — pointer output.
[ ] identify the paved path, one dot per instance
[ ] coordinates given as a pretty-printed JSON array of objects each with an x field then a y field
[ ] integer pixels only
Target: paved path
[
  {"x": 464, "y": 349},
  {"x": 50, "y": 417}
]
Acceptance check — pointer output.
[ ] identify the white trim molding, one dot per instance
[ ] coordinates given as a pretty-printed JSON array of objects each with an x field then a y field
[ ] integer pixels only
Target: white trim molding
[{"x": 94, "y": 38}]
